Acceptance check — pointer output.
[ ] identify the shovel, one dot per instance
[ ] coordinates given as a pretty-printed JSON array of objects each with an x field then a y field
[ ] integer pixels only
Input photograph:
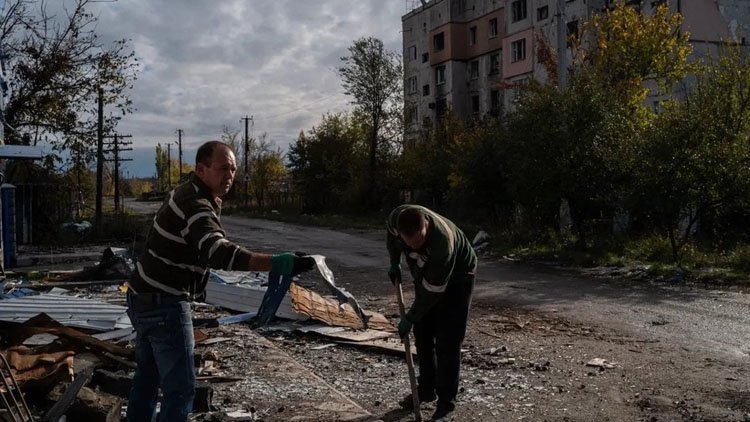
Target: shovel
[{"x": 407, "y": 348}]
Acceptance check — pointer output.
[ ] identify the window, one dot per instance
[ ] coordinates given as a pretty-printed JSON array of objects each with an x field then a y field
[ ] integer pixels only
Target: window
[
  {"x": 495, "y": 102},
  {"x": 572, "y": 32},
  {"x": 542, "y": 13},
  {"x": 438, "y": 41},
  {"x": 425, "y": 90},
  {"x": 439, "y": 75},
  {"x": 425, "y": 57},
  {"x": 518, "y": 10},
  {"x": 518, "y": 50},
  {"x": 411, "y": 53},
  {"x": 441, "y": 108},
  {"x": 494, "y": 64},
  {"x": 475, "y": 104},
  {"x": 493, "y": 27},
  {"x": 411, "y": 85},
  {"x": 472, "y": 35},
  {"x": 474, "y": 69},
  {"x": 412, "y": 116}
]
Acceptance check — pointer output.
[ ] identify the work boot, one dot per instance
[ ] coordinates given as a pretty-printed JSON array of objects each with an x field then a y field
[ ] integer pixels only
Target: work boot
[
  {"x": 443, "y": 412},
  {"x": 408, "y": 403}
]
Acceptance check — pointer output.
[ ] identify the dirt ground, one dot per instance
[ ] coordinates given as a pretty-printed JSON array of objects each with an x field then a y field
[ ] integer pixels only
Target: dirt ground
[{"x": 520, "y": 364}]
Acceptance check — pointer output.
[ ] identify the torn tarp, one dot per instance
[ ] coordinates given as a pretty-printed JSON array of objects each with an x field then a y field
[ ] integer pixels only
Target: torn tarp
[{"x": 341, "y": 294}]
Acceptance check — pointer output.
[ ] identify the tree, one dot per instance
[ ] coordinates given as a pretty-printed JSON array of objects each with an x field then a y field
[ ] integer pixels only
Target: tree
[
  {"x": 478, "y": 168},
  {"x": 623, "y": 49},
  {"x": 373, "y": 76},
  {"x": 56, "y": 65},
  {"x": 695, "y": 157},
  {"x": 592, "y": 126},
  {"x": 267, "y": 170},
  {"x": 425, "y": 165},
  {"x": 324, "y": 162},
  {"x": 231, "y": 137},
  {"x": 163, "y": 170}
]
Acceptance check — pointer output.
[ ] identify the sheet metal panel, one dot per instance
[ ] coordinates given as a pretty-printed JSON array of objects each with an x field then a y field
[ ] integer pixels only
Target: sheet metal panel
[{"x": 67, "y": 310}]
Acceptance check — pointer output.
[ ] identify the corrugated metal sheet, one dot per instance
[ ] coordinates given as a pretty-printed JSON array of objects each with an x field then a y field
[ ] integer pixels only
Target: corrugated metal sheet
[
  {"x": 243, "y": 291},
  {"x": 67, "y": 310}
]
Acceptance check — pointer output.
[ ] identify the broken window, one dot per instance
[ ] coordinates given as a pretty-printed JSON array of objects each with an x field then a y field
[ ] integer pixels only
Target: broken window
[{"x": 438, "y": 41}]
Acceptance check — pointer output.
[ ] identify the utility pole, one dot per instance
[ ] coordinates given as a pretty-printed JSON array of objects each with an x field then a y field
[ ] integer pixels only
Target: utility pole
[
  {"x": 116, "y": 149},
  {"x": 99, "y": 159},
  {"x": 179, "y": 146},
  {"x": 247, "y": 150},
  {"x": 169, "y": 166},
  {"x": 562, "y": 41}
]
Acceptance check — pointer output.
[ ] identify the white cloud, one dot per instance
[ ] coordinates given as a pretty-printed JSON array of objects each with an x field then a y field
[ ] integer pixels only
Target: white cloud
[{"x": 206, "y": 64}]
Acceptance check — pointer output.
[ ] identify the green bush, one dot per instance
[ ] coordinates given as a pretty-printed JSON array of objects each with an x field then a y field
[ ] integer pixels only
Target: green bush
[
  {"x": 739, "y": 258},
  {"x": 649, "y": 249}
]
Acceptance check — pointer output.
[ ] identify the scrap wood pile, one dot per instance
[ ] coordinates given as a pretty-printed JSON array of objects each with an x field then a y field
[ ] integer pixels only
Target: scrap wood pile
[
  {"x": 53, "y": 366},
  {"x": 71, "y": 355}
]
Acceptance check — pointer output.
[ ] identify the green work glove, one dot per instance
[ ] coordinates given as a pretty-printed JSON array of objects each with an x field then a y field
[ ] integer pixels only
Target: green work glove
[
  {"x": 288, "y": 263},
  {"x": 283, "y": 263},
  {"x": 404, "y": 326},
  {"x": 394, "y": 273}
]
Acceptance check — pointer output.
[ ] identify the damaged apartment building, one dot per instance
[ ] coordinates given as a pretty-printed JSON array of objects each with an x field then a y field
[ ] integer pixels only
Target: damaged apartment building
[{"x": 467, "y": 55}]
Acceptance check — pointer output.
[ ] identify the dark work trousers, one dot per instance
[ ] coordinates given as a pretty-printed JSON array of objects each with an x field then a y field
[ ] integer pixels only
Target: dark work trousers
[{"x": 438, "y": 338}]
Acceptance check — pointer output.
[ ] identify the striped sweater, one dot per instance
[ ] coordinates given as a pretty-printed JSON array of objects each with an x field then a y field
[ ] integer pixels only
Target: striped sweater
[{"x": 186, "y": 240}]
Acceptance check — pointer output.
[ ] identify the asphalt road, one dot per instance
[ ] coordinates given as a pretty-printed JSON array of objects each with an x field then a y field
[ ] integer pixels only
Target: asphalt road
[
  {"x": 690, "y": 317},
  {"x": 715, "y": 321}
]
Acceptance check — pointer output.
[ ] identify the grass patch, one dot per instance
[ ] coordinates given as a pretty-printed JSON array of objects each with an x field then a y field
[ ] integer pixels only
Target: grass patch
[{"x": 699, "y": 262}]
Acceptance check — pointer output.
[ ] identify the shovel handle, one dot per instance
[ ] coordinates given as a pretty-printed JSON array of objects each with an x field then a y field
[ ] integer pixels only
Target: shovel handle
[{"x": 409, "y": 357}]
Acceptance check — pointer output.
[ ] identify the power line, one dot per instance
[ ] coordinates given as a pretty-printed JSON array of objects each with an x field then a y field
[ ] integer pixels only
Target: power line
[
  {"x": 247, "y": 149},
  {"x": 116, "y": 149},
  {"x": 179, "y": 145}
]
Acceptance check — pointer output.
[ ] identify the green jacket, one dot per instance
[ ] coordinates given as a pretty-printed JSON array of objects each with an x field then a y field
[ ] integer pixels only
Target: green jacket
[{"x": 445, "y": 258}]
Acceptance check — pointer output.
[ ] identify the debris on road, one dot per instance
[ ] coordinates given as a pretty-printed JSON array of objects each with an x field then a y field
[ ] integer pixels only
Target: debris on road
[{"x": 601, "y": 363}]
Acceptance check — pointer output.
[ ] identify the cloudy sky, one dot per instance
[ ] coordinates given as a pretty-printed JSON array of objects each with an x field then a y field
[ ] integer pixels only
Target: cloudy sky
[{"x": 207, "y": 63}]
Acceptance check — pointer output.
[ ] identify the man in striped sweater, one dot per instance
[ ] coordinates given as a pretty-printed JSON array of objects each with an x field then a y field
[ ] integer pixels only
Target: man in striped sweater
[
  {"x": 442, "y": 264},
  {"x": 186, "y": 240}
]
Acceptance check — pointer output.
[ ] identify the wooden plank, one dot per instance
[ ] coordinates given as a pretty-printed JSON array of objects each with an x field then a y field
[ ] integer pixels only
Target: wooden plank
[
  {"x": 95, "y": 406},
  {"x": 115, "y": 334},
  {"x": 396, "y": 348},
  {"x": 66, "y": 400},
  {"x": 358, "y": 336},
  {"x": 215, "y": 379},
  {"x": 328, "y": 311}
]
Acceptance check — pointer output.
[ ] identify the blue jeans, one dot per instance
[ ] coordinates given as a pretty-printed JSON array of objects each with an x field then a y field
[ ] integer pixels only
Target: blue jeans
[{"x": 164, "y": 346}]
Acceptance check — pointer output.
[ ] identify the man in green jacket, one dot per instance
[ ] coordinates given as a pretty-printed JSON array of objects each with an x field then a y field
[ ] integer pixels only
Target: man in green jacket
[{"x": 442, "y": 264}]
